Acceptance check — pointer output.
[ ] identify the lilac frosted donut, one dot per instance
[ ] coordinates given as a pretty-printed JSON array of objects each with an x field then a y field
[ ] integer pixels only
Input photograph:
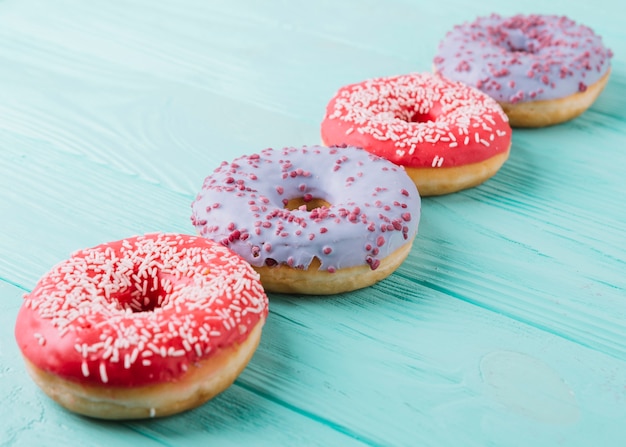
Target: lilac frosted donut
[
  {"x": 542, "y": 69},
  {"x": 311, "y": 220}
]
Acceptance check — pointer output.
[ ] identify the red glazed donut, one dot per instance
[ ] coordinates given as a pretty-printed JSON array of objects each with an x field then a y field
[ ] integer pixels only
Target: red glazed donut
[
  {"x": 542, "y": 69},
  {"x": 447, "y": 136},
  {"x": 143, "y": 327}
]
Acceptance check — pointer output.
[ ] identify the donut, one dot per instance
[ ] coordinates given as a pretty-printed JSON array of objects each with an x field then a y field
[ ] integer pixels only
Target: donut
[
  {"x": 311, "y": 220},
  {"x": 447, "y": 136},
  {"x": 542, "y": 69},
  {"x": 142, "y": 327}
]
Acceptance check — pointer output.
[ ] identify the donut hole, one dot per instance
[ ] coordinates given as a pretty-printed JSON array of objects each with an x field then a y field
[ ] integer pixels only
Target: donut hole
[
  {"x": 516, "y": 41},
  {"x": 416, "y": 116},
  {"x": 421, "y": 118},
  {"x": 146, "y": 293},
  {"x": 310, "y": 203}
]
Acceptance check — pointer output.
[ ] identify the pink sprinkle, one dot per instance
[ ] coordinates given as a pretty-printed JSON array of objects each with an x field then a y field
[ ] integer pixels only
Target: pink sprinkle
[{"x": 374, "y": 263}]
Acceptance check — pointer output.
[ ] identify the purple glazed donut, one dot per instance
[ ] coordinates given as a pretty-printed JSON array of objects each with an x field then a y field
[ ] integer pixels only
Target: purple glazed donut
[
  {"x": 542, "y": 69},
  {"x": 311, "y": 220}
]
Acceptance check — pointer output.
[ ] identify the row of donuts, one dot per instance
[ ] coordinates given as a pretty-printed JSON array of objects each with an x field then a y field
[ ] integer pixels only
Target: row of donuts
[
  {"x": 157, "y": 324},
  {"x": 450, "y": 130}
]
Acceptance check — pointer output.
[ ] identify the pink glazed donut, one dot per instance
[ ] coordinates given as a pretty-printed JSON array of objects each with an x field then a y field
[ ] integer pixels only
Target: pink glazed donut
[
  {"x": 448, "y": 136},
  {"x": 143, "y": 327},
  {"x": 542, "y": 69},
  {"x": 311, "y": 220}
]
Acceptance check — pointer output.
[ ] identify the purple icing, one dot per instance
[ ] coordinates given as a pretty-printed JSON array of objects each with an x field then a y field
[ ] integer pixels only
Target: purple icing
[
  {"x": 523, "y": 58},
  {"x": 374, "y": 207}
]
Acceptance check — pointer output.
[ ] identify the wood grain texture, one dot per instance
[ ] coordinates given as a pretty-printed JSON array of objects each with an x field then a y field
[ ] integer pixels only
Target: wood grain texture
[{"x": 505, "y": 326}]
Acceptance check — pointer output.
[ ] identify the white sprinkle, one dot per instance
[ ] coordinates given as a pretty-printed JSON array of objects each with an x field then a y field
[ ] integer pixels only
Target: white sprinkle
[
  {"x": 40, "y": 338},
  {"x": 103, "y": 373},
  {"x": 152, "y": 412},
  {"x": 107, "y": 353},
  {"x": 490, "y": 119},
  {"x": 84, "y": 367}
]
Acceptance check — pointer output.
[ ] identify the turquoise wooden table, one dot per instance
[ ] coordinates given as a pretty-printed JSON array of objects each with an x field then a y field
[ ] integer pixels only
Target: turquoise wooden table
[{"x": 505, "y": 326}]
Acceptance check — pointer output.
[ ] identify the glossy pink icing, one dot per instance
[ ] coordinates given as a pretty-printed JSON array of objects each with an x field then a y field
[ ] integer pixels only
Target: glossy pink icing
[
  {"x": 523, "y": 57},
  {"x": 139, "y": 311},
  {"x": 374, "y": 207},
  {"x": 417, "y": 120}
]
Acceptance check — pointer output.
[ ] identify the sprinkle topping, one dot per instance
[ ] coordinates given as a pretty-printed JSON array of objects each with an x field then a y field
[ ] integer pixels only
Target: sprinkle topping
[
  {"x": 417, "y": 120},
  {"x": 523, "y": 57},
  {"x": 139, "y": 311},
  {"x": 349, "y": 198}
]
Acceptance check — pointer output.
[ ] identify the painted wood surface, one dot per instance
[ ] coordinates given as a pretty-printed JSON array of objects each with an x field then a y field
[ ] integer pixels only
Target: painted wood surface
[{"x": 504, "y": 327}]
